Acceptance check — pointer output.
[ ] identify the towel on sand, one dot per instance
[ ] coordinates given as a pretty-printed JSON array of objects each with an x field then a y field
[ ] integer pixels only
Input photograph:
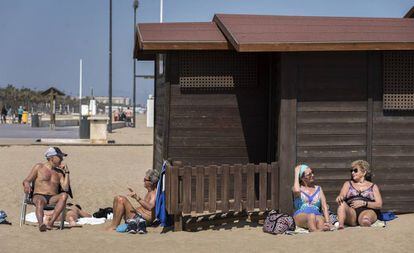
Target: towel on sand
[
  {"x": 31, "y": 217},
  {"x": 299, "y": 230}
]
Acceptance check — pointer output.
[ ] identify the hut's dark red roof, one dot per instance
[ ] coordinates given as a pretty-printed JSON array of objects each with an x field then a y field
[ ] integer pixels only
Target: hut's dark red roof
[
  {"x": 297, "y": 33},
  {"x": 265, "y": 33},
  {"x": 204, "y": 35}
]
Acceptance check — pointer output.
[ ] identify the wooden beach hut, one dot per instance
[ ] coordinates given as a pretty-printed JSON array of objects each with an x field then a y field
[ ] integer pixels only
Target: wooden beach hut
[{"x": 241, "y": 100}]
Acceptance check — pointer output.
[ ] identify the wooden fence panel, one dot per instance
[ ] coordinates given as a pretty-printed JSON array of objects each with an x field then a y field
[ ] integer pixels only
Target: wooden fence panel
[
  {"x": 250, "y": 187},
  {"x": 187, "y": 190},
  {"x": 253, "y": 188},
  {"x": 200, "y": 189},
  {"x": 212, "y": 188},
  {"x": 263, "y": 186},
  {"x": 225, "y": 188},
  {"x": 237, "y": 187}
]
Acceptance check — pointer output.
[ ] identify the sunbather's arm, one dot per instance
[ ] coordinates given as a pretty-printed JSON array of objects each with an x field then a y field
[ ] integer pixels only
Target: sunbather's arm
[
  {"x": 30, "y": 178},
  {"x": 64, "y": 180},
  {"x": 149, "y": 205},
  {"x": 377, "y": 204},
  {"x": 296, "y": 184},
  {"x": 325, "y": 207},
  {"x": 342, "y": 195}
]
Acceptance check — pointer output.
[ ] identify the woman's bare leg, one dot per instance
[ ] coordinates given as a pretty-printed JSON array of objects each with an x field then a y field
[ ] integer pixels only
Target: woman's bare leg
[
  {"x": 346, "y": 215},
  {"x": 367, "y": 218},
  {"x": 71, "y": 217},
  {"x": 320, "y": 223},
  {"x": 312, "y": 226},
  {"x": 301, "y": 220}
]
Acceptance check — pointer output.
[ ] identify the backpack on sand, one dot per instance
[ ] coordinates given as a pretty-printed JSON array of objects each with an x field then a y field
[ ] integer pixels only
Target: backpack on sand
[{"x": 278, "y": 223}]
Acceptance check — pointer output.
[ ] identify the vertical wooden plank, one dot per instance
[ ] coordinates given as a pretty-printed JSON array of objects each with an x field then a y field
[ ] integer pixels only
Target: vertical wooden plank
[
  {"x": 374, "y": 93},
  {"x": 200, "y": 189},
  {"x": 166, "y": 124},
  {"x": 187, "y": 190},
  {"x": 289, "y": 74},
  {"x": 262, "y": 186},
  {"x": 178, "y": 222},
  {"x": 174, "y": 189},
  {"x": 225, "y": 188},
  {"x": 275, "y": 185},
  {"x": 168, "y": 187},
  {"x": 237, "y": 187},
  {"x": 212, "y": 188},
  {"x": 250, "y": 187}
]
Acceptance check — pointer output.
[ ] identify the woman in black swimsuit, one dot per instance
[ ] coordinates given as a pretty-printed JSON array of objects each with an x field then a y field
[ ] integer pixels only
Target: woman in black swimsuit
[{"x": 360, "y": 200}]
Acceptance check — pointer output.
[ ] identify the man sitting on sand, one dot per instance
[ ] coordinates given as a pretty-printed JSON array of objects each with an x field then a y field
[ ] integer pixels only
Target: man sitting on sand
[
  {"x": 48, "y": 179},
  {"x": 123, "y": 208}
]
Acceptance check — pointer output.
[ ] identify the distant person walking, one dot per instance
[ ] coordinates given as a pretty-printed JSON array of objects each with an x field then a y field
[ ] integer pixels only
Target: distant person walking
[
  {"x": 128, "y": 114},
  {"x": 20, "y": 114},
  {"x": 3, "y": 114},
  {"x": 10, "y": 115}
]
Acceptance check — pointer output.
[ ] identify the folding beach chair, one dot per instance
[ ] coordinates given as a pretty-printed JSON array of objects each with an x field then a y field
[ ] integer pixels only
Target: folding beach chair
[{"x": 28, "y": 200}]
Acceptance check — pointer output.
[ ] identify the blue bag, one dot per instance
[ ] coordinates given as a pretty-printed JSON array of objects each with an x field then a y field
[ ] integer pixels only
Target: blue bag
[{"x": 387, "y": 216}]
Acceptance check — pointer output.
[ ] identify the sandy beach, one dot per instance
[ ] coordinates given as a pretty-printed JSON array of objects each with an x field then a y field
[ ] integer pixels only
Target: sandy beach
[{"x": 100, "y": 173}]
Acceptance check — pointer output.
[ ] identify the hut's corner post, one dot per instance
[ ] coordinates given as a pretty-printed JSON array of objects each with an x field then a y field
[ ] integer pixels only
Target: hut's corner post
[
  {"x": 287, "y": 129},
  {"x": 174, "y": 197}
]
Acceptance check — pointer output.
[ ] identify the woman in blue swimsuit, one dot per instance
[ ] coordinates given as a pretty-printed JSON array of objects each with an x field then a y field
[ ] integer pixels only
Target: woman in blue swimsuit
[{"x": 311, "y": 210}]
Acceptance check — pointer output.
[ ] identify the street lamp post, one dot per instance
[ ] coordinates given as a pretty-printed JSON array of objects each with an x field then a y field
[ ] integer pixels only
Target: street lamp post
[
  {"x": 110, "y": 68},
  {"x": 135, "y": 5}
]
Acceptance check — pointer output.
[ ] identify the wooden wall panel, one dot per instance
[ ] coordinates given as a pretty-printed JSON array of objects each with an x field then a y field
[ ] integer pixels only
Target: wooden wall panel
[
  {"x": 219, "y": 126},
  {"x": 331, "y": 116}
]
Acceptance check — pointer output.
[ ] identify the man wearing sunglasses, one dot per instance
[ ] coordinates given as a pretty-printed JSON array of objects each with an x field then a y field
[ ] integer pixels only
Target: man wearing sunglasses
[
  {"x": 144, "y": 213},
  {"x": 48, "y": 183}
]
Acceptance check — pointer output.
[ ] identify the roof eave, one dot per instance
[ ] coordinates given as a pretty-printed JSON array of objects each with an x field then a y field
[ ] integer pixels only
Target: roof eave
[{"x": 337, "y": 46}]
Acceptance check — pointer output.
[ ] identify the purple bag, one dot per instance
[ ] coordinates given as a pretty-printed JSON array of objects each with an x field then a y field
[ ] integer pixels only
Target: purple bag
[{"x": 278, "y": 223}]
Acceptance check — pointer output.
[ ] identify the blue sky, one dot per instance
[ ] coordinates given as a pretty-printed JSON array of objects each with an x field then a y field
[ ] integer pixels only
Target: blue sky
[{"x": 42, "y": 41}]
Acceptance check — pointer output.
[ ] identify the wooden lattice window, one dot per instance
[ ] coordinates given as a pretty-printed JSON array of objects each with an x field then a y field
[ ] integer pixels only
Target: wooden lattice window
[
  {"x": 222, "y": 70},
  {"x": 398, "y": 80}
]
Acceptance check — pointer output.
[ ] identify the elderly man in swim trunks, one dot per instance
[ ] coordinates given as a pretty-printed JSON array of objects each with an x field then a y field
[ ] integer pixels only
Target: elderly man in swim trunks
[
  {"x": 48, "y": 178},
  {"x": 123, "y": 208}
]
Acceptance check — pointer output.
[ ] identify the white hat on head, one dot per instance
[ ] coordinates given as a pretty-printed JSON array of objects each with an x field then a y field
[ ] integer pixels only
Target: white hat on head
[{"x": 54, "y": 151}]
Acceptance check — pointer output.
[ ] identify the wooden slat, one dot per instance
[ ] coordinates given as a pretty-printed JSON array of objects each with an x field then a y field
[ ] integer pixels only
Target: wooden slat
[
  {"x": 329, "y": 140},
  {"x": 200, "y": 189},
  {"x": 332, "y": 117},
  {"x": 213, "y": 141},
  {"x": 393, "y": 139},
  {"x": 237, "y": 187},
  {"x": 168, "y": 189},
  {"x": 275, "y": 185},
  {"x": 263, "y": 186},
  {"x": 212, "y": 188},
  {"x": 187, "y": 190},
  {"x": 250, "y": 187},
  {"x": 331, "y": 128},
  {"x": 174, "y": 190},
  {"x": 208, "y": 151},
  {"x": 337, "y": 106},
  {"x": 393, "y": 151},
  {"x": 225, "y": 188},
  {"x": 334, "y": 151}
]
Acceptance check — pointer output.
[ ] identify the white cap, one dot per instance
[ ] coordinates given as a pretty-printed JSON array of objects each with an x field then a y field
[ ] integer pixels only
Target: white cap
[{"x": 54, "y": 151}]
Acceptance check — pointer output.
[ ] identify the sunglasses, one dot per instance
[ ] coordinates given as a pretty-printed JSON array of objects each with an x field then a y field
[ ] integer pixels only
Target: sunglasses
[
  {"x": 354, "y": 170},
  {"x": 147, "y": 180},
  {"x": 308, "y": 175}
]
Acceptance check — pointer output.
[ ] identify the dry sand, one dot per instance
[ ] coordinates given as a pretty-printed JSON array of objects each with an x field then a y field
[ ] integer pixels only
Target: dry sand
[{"x": 100, "y": 173}]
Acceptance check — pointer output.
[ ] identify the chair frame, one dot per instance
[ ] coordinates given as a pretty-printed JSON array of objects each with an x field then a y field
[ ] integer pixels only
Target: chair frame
[{"x": 28, "y": 200}]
